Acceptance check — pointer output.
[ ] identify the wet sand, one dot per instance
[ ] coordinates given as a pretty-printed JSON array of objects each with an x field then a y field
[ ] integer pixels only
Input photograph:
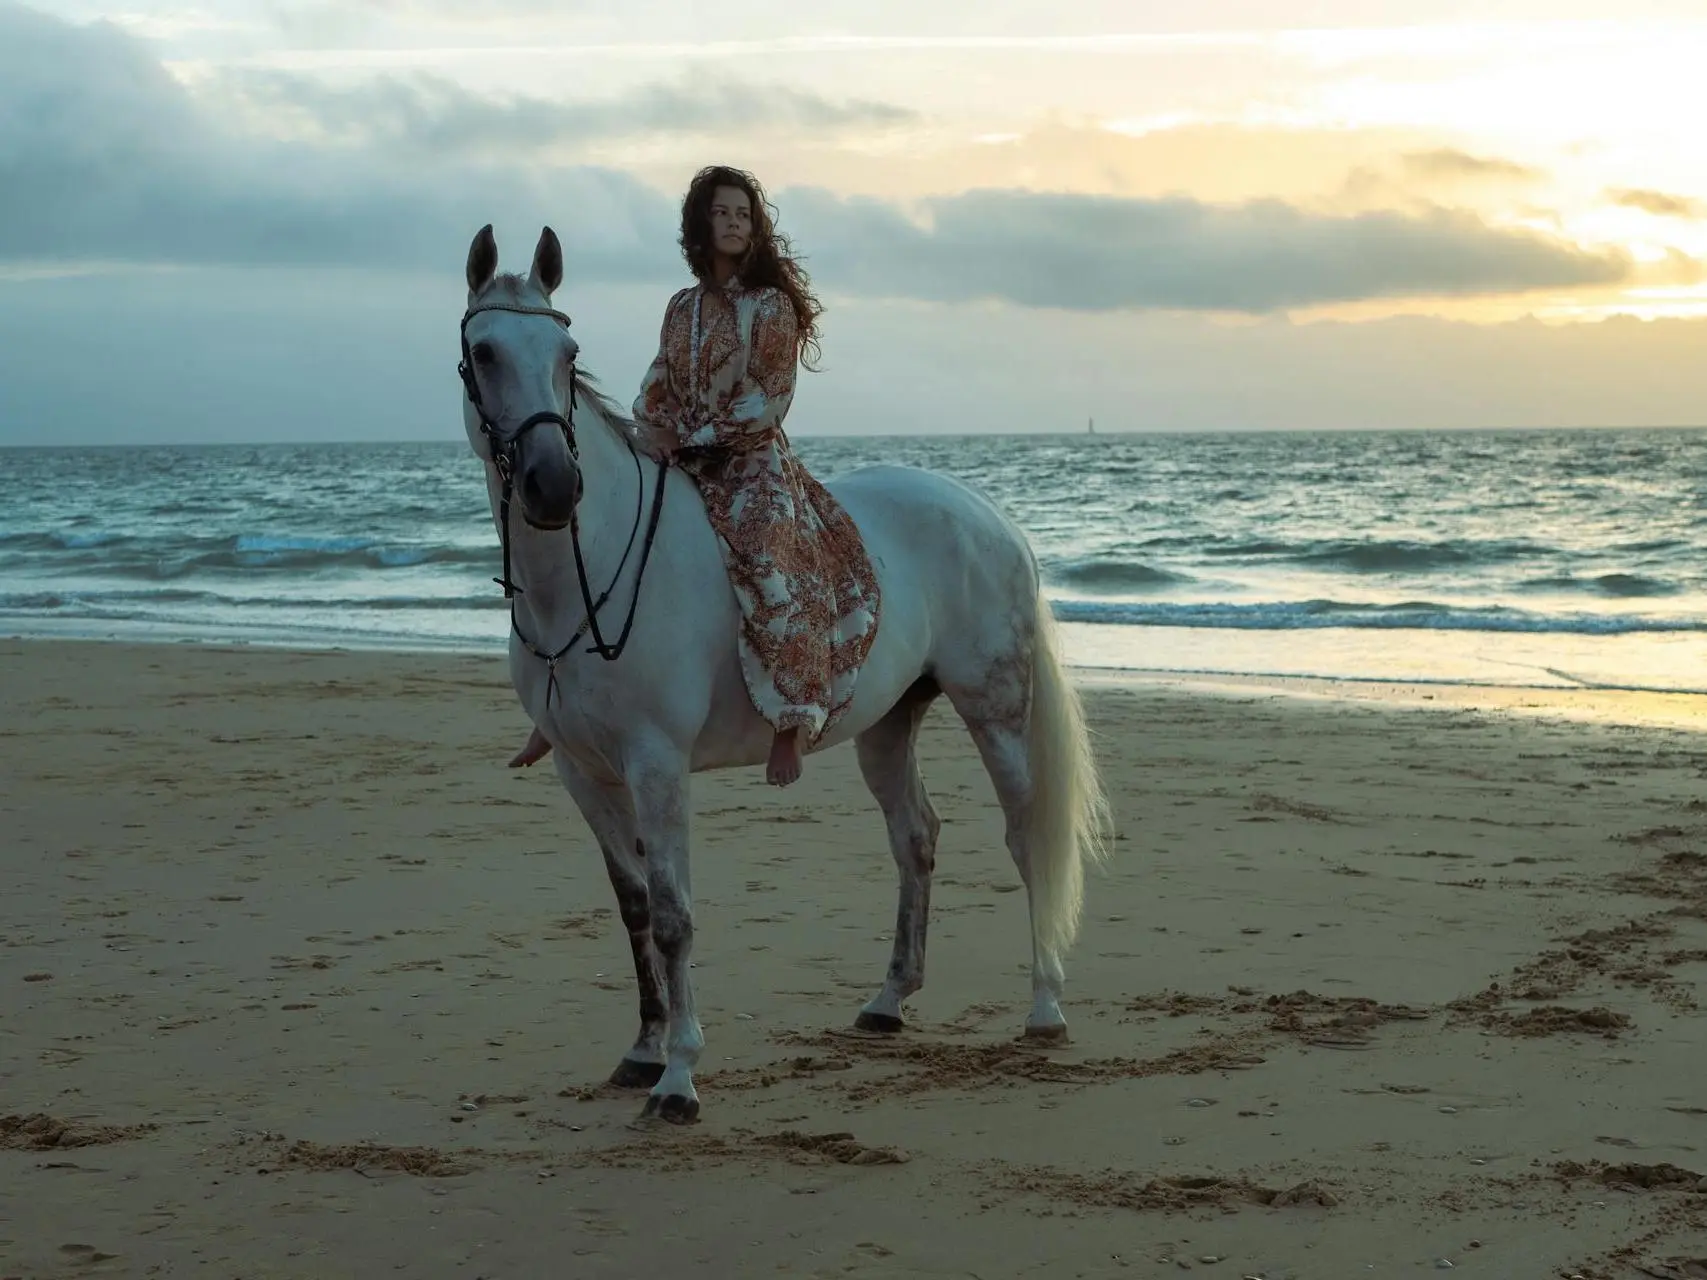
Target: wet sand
[{"x": 300, "y": 981}]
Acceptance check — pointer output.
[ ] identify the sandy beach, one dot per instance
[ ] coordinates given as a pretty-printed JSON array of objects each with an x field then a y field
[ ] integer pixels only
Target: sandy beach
[{"x": 300, "y": 981}]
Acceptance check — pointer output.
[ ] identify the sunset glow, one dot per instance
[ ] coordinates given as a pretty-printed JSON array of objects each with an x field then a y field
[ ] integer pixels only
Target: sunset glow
[{"x": 1550, "y": 118}]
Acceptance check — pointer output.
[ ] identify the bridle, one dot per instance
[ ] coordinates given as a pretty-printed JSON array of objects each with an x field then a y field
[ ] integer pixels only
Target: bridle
[{"x": 504, "y": 448}]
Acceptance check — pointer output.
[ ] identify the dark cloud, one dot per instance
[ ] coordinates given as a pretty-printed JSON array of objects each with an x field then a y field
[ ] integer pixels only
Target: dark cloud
[
  {"x": 104, "y": 156},
  {"x": 1659, "y": 203},
  {"x": 432, "y": 116},
  {"x": 1098, "y": 253},
  {"x": 1450, "y": 164}
]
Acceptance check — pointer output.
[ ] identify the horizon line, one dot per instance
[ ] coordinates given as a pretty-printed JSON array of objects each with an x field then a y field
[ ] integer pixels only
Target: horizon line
[{"x": 1063, "y": 433}]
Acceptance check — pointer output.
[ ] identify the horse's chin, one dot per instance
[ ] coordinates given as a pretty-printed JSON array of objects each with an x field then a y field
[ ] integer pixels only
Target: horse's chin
[{"x": 544, "y": 526}]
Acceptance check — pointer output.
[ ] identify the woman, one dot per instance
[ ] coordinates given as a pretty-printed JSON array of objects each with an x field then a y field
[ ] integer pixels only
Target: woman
[{"x": 715, "y": 399}]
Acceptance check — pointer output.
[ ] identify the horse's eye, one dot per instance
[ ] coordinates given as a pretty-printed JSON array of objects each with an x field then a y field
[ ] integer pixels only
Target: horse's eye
[{"x": 483, "y": 353}]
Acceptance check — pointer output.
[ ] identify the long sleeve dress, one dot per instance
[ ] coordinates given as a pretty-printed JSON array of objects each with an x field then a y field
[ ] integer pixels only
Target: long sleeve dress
[{"x": 722, "y": 382}]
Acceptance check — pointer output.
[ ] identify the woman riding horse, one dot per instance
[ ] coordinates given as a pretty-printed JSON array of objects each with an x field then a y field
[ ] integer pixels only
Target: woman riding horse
[{"x": 714, "y": 400}]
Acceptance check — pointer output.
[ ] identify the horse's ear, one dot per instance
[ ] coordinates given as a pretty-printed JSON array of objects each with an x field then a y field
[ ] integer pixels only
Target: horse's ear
[
  {"x": 548, "y": 262},
  {"x": 482, "y": 259}
]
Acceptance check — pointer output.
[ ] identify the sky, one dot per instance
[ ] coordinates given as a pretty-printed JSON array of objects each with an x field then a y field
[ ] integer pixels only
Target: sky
[{"x": 243, "y": 220}]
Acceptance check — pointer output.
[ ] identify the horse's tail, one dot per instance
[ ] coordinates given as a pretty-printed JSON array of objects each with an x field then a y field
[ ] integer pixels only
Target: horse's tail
[{"x": 1069, "y": 820}]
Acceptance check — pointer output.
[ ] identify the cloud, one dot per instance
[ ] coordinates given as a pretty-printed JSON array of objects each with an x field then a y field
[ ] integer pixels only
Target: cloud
[
  {"x": 292, "y": 14},
  {"x": 1659, "y": 203},
  {"x": 1100, "y": 253},
  {"x": 104, "y": 156},
  {"x": 455, "y": 10},
  {"x": 1414, "y": 177},
  {"x": 1446, "y": 164},
  {"x": 329, "y": 24},
  {"x": 1675, "y": 268},
  {"x": 433, "y": 116}
]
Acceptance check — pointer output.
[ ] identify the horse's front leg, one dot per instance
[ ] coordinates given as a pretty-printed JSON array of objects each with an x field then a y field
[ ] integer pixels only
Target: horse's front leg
[
  {"x": 609, "y": 813},
  {"x": 659, "y": 787}
]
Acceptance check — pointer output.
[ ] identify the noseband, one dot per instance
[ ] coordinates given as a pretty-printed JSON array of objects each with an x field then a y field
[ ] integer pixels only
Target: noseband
[{"x": 504, "y": 448}]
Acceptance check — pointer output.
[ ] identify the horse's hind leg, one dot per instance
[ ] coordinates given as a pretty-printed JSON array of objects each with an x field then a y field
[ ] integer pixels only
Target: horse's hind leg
[
  {"x": 611, "y": 817},
  {"x": 891, "y": 769},
  {"x": 1003, "y": 743},
  {"x": 1028, "y": 723}
]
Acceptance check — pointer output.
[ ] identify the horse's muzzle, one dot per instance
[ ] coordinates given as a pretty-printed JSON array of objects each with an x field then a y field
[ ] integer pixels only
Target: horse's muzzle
[{"x": 550, "y": 490}]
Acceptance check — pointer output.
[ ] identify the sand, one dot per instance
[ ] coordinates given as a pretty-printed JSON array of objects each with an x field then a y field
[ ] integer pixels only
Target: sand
[{"x": 300, "y": 981}]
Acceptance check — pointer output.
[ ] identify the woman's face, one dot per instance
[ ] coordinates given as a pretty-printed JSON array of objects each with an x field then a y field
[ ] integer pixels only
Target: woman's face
[{"x": 731, "y": 221}]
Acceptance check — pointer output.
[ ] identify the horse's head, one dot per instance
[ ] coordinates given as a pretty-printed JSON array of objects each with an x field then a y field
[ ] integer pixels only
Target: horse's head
[{"x": 518, "y": 367}]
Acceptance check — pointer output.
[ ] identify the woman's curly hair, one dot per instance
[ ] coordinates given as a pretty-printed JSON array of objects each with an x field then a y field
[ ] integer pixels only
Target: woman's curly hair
[{"x": 768, "y": 261}]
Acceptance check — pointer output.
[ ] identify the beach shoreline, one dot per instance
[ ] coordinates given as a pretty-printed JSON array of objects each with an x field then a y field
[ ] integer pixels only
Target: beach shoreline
[
  {"x": 1626, "y": 708},
  {"x": 302, "y": 982},
  {"x": 1558, "y": 698}
]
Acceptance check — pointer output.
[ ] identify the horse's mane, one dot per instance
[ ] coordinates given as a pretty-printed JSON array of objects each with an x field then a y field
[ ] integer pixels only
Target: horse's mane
[
  {"x": 587, "y": 388},
  {"x": 517, "y": 289}
]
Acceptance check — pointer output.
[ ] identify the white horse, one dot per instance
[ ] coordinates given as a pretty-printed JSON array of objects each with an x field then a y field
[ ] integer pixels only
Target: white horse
[{"x": 962, "y": 615}]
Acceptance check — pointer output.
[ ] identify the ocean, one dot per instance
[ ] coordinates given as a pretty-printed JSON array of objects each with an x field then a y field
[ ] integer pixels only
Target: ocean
[{"x": 1545, "y": 558}]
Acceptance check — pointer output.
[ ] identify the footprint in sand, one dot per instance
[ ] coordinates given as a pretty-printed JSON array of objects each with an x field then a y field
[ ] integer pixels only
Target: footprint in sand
[
  {"x": 596, "y": 1222},
  {"x": 86, "y": 1253}
]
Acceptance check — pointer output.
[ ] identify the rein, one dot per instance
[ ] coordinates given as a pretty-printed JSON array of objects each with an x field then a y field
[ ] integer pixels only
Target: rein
[{"x": 504, "y": 448}]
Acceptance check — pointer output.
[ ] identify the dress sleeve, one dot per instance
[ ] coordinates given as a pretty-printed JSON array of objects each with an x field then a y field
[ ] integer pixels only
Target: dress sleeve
[
  {"x": 753, "y": 412},
  {"x": 657, "y": 404}
]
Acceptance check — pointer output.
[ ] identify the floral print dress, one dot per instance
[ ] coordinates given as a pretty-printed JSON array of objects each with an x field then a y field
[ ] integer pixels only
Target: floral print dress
[{"x": 722, "y": 382}]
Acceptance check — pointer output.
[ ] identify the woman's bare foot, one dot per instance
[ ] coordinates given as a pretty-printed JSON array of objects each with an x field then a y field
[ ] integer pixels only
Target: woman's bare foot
[
  {"x": 536, "y": 750},
  {"x": 784, "y": 766}
]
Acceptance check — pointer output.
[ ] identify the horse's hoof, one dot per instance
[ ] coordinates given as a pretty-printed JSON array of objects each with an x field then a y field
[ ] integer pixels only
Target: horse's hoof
[
  {"x": 885, "y": 1023},
  {"x": 630, "y": 1074},
  {"x": 1056, "y": 1034},
  {"x": 672, "y": 1107}
]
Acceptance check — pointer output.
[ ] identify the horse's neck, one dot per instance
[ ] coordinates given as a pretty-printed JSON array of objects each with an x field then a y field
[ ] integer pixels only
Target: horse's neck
[{"x": 543, "y": 564}]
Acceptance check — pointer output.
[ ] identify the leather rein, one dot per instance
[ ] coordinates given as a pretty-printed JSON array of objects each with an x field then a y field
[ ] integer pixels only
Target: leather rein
[{"x": 504, "y": 447}]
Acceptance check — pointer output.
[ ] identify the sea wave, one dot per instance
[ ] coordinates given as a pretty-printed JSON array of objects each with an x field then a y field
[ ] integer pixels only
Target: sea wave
[
  {"x": 268, "y": 544},
  {"x": 267, "y": 551},
  {"x": 87, "y": 541},
  {"x": 116, "y": 604},
  {"x": 1396, "y": 555},
  {"x": 1621, "y": 586},
  {"x": 1114, "y": 575},
  {"x": 160, "y": 559},
  {"x": 1401, "y": 556},
  {"x": 1294, "y": 615},
  {"x": 14, "y": 541}
]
